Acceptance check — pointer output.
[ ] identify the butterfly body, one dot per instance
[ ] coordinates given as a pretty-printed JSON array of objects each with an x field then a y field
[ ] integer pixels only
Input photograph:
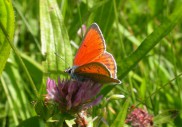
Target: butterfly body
[{"x": 92, "y": 61}]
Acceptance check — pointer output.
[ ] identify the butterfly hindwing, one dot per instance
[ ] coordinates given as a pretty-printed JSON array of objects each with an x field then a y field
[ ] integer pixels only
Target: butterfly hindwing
[
  {"x": 95, "y": 71},
  {"x": 99, "y": 78},
  {"x": 92, "y": 68},
  {"x": 108, "y": 60}
]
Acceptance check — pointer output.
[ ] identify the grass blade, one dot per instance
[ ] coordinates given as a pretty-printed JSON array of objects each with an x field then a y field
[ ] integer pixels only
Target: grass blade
[
  {"x": 153, "y": 39},
  {"x": 165, "y": 117},
  {"x": 7, "y": 21},
  {"x": 10, "y": 101},
  {"x": 120, "y": 119}
]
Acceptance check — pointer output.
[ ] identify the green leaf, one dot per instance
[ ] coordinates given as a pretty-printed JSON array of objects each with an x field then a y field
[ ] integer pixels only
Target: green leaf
[
  {"x": 165, "y": 117},
  {"x": 42, "y": 110},
  {"x": 54, "y": 39},
  {"x": 120, "y": 119},
  {"x": 32, "y": 122},
  {"x": 35, "y": 69},
  {"x": 7, "y": 20},
  {"x": 18, "y": 90}
]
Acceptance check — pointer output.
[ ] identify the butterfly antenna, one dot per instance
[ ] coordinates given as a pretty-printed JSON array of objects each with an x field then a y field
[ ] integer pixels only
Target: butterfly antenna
[{"x": 61, "y": 58}]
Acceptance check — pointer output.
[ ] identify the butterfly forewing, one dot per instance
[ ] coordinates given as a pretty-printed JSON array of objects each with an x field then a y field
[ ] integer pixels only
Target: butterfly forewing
[{"x": 93, "y": 45}]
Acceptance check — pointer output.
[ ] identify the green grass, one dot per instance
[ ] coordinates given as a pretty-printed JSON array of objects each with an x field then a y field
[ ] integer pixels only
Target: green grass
[{"x": 143, "y": 36}]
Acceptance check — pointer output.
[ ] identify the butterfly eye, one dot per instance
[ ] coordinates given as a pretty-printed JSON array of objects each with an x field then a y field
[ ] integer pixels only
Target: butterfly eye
[{"x": 68, "y": 70}]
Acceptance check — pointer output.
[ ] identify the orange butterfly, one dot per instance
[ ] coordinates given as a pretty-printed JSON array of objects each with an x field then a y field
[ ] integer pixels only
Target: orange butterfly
[{"x": 92, "y": 61}]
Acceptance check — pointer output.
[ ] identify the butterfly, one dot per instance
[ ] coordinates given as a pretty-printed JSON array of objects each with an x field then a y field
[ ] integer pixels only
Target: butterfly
[{"x": 92, "y": 61}]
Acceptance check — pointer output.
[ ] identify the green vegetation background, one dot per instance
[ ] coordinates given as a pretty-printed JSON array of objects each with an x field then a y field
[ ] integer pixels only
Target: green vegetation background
[{"x": 150, "y": 76}]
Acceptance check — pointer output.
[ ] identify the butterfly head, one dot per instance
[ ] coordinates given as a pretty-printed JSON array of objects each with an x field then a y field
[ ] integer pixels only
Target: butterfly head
[{"x": 70, "y": 71}]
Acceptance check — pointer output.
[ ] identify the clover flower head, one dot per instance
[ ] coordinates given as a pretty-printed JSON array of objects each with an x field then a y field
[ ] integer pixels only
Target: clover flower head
[
  {"x": 140, "y": 118},
  {"x": 73, "y": 96}
]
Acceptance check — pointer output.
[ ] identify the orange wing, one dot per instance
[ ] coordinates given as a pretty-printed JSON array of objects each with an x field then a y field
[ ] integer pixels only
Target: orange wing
[
  {"x": 108, "y": 60},
  {"x": 97, "y": 72},
  {"x": 93, "y": 45},
  {"x": 93, "y": 68},
  {"x": 100, "y": 78}
]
